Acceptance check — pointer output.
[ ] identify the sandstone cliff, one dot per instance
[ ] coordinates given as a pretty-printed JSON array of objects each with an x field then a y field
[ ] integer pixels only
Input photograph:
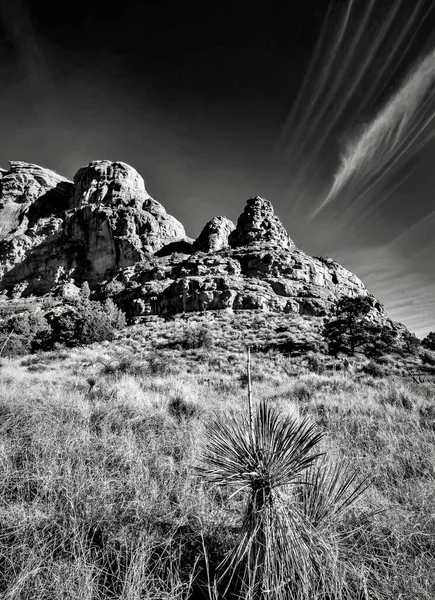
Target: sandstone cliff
[
  {"x": 54, "y": 230},
  {"x": 103, "y": 227}
]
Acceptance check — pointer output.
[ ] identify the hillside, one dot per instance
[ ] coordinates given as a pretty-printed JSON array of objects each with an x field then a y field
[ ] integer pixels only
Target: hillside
[{"x": 131, "y": 461}]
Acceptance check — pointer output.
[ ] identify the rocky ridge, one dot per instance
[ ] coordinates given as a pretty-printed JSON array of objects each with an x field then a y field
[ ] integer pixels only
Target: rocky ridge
[{"x": 103, "y": 227}]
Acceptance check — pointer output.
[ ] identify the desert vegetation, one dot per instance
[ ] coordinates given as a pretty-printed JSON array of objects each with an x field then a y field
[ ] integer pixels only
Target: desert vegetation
[
  {"x": 31, "y": 327},
  {"x": 130, "y": 469}
]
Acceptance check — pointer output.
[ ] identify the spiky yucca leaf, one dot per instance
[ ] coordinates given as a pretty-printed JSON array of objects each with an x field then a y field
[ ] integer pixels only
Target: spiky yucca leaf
[
  {"x": 285, "y": 547},
  {"x": 331, "y": 489},
  {"x": 274, "y": 454},
  {"x": 276, "y": 545}
]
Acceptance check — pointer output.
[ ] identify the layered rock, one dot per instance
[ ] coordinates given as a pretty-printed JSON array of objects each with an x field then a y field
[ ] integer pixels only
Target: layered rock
[
  {"x": 258, "y": 224},
  {"x": 259, "y": 275},
  {"x": 106, "y": 229},
  {"x": 268, "y": 279}
]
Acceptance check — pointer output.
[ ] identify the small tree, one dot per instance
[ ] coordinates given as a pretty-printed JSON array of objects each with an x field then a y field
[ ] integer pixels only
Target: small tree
[
  {"x": 429, "y": 341},
  {"x": 348, "y": 331},
  {"x": 410, "y": 343},
  {"x": 379, "y": 340}
]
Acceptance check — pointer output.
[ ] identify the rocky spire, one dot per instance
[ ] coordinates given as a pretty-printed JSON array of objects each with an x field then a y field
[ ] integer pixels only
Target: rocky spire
[
  {"x": 215, "y": 234},
  {"x": 258, "y": 224}
]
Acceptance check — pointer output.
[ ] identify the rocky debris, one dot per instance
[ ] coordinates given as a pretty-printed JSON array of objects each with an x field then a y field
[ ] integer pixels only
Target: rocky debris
[
  {"x": 258, "y": 224},
  {"x": 215, "y": 234}
]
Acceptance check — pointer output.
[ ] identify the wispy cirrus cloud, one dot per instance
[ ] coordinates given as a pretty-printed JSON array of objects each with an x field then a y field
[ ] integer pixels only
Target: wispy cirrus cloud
[{"x": 399, "y": 131}]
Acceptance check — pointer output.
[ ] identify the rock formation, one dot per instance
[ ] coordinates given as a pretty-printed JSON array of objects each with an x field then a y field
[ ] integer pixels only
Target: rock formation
[
  {"x": 215, "y": 234},
  {"x": 54, "y": 230},
  {"x": 258, "y": 225},
  {"x": 106, "y": 229}
]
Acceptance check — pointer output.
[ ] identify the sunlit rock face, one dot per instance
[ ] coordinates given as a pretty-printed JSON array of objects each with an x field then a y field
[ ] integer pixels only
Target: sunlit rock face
[
  {"x": 103, "y": 227},
  {"x": 258, "y": 224},
  {"x": 54, "y": 230},
  {"x": 215, "y": 234},
  {"x": 110, "y": 184},
  {"x": 255, "y": 266}
]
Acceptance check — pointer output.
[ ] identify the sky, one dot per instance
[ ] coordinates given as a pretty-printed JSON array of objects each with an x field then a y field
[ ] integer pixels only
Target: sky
[{"x": 327, "y": 112}]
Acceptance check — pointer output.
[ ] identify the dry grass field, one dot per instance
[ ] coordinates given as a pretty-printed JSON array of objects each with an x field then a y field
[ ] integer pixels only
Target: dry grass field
[{"x": 101, "y": 496}]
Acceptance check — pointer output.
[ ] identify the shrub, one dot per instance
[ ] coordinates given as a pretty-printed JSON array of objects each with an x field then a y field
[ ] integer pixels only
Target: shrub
[
  {"x": 398, "y": 397},
  {"x": 179, "y": 408},
  {"x": 126, "y": 365},
  {"x": 428, "y": 358},
  {"x": 410, "y": 343},
  {"x": 23, "y": 332},
  {"x": 429, "y": 341},
  {"x": 302, "y": 392},
  {"x": 372, "y": 368},
  {"x": 315, "y": 363},
  {"x": 86, "y": 322},
  {"x": 13, "y": 345},
  {"x": 427, "y": 417},
  {"x": 199, "y": 337}
]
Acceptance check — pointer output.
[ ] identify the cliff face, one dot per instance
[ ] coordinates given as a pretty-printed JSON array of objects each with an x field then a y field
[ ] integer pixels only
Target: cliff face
[
  {"x": 103, "y": 227},
  {"x": 54, "y": 229}
]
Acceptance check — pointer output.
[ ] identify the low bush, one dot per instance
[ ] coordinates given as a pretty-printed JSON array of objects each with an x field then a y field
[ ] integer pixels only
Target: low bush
[
  {"x": 198, "y": 337},
  {"x": 85, "y": 322},
  {"x": 315, "y": 363},
  {"x": 180, "y": 408},
  {"x": 374, "y": 369}
]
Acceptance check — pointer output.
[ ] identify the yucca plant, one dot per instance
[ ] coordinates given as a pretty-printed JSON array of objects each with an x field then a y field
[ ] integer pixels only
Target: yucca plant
[{"x": 285, "y": 548}]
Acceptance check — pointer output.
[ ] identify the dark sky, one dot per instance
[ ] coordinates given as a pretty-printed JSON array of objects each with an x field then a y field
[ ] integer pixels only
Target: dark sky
[{"x": 203, "y": 102}]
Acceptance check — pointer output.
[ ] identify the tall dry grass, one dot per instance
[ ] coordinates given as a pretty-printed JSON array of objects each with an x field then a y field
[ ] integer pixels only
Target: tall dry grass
[{"x": 100, "y": 498}]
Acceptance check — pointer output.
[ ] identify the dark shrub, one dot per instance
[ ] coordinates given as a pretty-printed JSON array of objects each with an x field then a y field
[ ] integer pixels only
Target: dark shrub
[
  {"x": 399, "y": 398},
  {"x": 427, "y": 417},
  {"x": 302, "y": 392},
  {"x": 315, "y": 363},
  {"x": 429, "y": 341},
  {"x": 13, "y": 345},
  {"x": 21, "y": 333},
  {"x": 372, "y": 368},
  {"x": 86, "y": 322},
  {"x": 428, "y": 358},
  {"x": 199, "y": 337},
  {"x": 179, "y": 408}
]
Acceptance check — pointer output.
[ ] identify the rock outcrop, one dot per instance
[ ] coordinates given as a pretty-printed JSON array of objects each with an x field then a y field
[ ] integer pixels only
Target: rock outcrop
[
  {"x": 267, "y": 279},
  {"x": 54, "y": 229},
  {"x": 258, "y": 224},
  {"x": 215, "y": 234},
  {"x": 104, "y": 228}
]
